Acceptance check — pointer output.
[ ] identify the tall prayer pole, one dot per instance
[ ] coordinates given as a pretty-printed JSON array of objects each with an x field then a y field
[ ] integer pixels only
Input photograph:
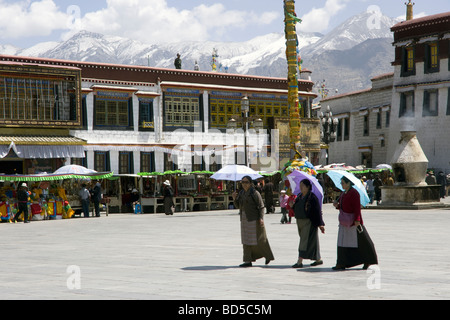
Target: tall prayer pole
[
  {"x": 297, "y": 161},
  {"x": 290, "y": 20}
]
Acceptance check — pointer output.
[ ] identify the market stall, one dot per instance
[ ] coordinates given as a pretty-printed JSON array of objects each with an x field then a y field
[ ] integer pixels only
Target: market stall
[
  {"x": 192, "y": 190},
  {"x": 51, "y": 196}
]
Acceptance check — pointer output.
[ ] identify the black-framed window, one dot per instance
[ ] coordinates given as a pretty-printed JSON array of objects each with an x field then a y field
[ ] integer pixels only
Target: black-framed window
[
  {"x": 111, "y": 113},
  {"x": 339, "y": 130},
  {"x": 346, "y": 129},
  {"x": 148, "y": 162},
  {"x": 182, "y": 111},
  {"x": 80, "y": 161},
  {"x": 198, "y": 163},
  {"x": 379, "y": 119},
  {"x": 126, "y": 163},
  {"x": 170, "y": 162},
  {"x": 84, "y": 116},
  {"x": 102, "y": 161},
  {"x": 366, "y": 125},
  {"x": 408, "y": 61},
  {"x": 448, "y": 101},
  {"x": 406, "y": 104},
  {"x": 388, "y": 119},
  {"x": 430, "y": 103},
  {"x": 215, "y": 162},
  {"x": 37, "y": 99},
  {"x": 431, "y": 57},
  {"x": 146, "y": 115}
]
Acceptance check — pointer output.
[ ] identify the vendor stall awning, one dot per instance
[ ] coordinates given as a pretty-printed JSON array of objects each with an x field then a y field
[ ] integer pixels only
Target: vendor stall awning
[
  {"x": 42, "y": 147},
  {"x": 41, "y": 140}
]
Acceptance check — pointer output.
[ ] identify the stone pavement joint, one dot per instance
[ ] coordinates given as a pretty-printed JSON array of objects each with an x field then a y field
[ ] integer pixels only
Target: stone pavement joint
[{"x": 195, "y": 255}]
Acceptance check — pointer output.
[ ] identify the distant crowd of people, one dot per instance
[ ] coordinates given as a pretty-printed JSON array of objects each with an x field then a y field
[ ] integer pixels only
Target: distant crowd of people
[{"x": 441, "y": 180}]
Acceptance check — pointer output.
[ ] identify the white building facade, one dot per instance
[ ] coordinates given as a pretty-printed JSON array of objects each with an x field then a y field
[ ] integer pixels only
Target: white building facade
[
  {"x": 421, "y": 93},
  {"x": 137, "y": 119},
  {"x": 416, "y": 97},
  {"x": 364, "y": 122}
]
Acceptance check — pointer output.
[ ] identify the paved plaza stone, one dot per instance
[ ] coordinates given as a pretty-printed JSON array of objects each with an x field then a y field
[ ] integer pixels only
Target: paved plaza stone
[{"x": 195, "y": 256}]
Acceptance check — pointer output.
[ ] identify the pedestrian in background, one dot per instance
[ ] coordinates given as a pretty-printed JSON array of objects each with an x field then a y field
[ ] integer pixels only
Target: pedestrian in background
[
  {"x": 370, "y": 189},
  {"x": 430, "y": 178},
  {"x": 389, "y": 180},
  {"x": 22, "y": 202},
  {"x": 377, "y": 183},
  {"x": 169, "y": 206},
  {"x": 97, "y": 197},
  {"x": 253, "y": 233},
  {"x": 85, "y": 195},
  {"x": 283, "y": 202},
  {"x": 308, "y": 214},
  {"x": 268, "y": 196},
  {"x": 354, "y": 246},
  {"x": 442, "y": 181}
]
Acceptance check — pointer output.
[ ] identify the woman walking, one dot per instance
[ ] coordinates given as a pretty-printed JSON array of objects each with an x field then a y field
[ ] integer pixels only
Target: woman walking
[
  {"x": 169, "y": 206},
  {"x": 308, "y": 214},
  {"x": 253, "y": 233},
  {"x": 354, "y": 245}
]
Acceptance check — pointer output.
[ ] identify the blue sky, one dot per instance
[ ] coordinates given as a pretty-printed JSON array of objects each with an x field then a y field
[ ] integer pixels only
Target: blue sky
[{"x": 24, "y": 23}]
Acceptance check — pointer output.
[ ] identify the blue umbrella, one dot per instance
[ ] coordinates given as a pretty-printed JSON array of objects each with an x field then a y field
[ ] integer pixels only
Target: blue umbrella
[
  {"x": 336, "y": 176},
  {"x": 296, "y": 176}
]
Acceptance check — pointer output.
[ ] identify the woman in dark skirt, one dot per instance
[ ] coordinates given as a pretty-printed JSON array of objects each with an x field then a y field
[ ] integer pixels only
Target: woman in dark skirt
[
  {"x": 253, "y": 232},
  {"x": 169, "y": 206},
  {"x": 308, "y": 215},
  {"x": 354, "y": 244}
]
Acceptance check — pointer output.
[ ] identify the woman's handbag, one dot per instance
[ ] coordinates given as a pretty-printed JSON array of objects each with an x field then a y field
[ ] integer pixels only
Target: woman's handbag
[{"x": 346, "y": 219}]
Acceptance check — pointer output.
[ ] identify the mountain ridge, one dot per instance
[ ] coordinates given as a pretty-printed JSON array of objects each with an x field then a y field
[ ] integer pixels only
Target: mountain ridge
[{"x": 347, "y": 57}]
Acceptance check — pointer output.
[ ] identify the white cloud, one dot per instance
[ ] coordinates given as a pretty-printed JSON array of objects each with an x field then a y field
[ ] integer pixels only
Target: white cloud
[
  {"x": 145, "y": 20},
  {"x": 28, "y": 19},
  {"x": 154, "y": 21},
  {"x": 318, "y": 19}
]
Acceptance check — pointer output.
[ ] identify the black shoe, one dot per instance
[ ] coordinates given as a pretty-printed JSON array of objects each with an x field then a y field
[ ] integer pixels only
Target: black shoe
[
  {"x": 298, "y": 265},
  {"x": 366, "y": 266},
  {"x": 245, "y": 264},
  {"x": 338, "y": 268},
  {"x": 26, "y": 221},
  {"x": 267, "y": 261},
  {"x": 316, "y": 263}
]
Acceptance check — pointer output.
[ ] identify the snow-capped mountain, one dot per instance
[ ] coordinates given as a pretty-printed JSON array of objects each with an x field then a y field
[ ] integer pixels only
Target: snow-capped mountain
[
  {"x": 8, "y": 49},
  {"x": 353, "y": 31},
  {"x": 329, "y": 57}
]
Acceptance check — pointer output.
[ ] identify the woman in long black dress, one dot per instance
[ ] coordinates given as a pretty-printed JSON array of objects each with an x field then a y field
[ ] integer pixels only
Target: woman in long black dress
[
  {"x": 168, "y": 198},
  {"x": 308, "y": 215},
  {"x": 355, "y": 246}
]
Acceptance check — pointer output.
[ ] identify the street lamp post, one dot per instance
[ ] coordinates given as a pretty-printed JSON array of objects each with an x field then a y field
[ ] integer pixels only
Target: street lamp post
[
  {"x": 257, "y": 123},
  {"x": 245, "y": 106},
  {"x": 329, "y": 126}
]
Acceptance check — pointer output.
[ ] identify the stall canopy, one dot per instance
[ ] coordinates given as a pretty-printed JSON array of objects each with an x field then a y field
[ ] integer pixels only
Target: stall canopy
[
  {"x": 43, "y": 147},
  {"x": 153, "y": 174},
  {"x": 65, "y": 172}
]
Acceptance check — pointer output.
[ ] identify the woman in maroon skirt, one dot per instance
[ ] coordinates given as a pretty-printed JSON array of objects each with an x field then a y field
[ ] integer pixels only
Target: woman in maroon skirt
[{"x": 354, "y": 245}]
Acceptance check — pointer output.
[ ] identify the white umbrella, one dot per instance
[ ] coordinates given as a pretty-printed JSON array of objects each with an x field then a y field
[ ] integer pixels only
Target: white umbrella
[
  {"x": 235, "y": 172},
  {"x": 74, "y": 169},
  {"x": 384, "y": 166}
]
